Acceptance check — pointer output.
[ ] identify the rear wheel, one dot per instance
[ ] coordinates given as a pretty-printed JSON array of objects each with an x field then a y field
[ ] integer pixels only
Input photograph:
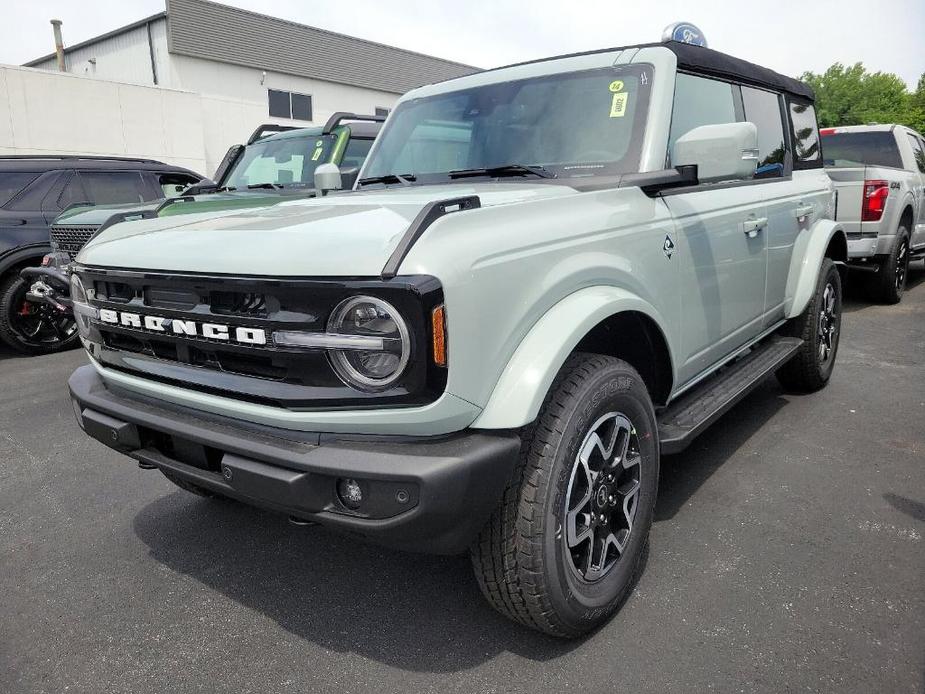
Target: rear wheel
[
  {"x": 32, "y": 328},
  {"x": 890, "y": 281},
  {"x": 819, "y": 326},
  {"x": 564, "y": 547}
]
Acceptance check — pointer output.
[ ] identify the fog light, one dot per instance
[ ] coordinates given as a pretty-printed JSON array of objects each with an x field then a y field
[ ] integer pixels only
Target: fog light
[{"x": 350, "y": 493}]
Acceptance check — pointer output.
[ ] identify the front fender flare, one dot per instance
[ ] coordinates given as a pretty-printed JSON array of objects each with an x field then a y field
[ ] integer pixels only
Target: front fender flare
[
  {"x": 525, "y": 381},
  {"x": 808, "y": 251}
]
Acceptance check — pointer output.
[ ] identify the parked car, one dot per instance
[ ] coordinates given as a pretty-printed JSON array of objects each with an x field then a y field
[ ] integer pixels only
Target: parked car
[
  {"x": 277, "y": 164},
  {"x": 490, "y": 342},
  {"x": 34, "y": 190},
  {"x": 879, "y": 173}
]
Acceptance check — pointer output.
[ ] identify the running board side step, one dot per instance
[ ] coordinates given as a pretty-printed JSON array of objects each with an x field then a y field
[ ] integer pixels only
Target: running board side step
[{"x": 683, "y": 420}]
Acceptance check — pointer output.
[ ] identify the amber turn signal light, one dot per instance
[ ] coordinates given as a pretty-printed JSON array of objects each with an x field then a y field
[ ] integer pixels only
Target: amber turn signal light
[{"x": 438, "y": 324}]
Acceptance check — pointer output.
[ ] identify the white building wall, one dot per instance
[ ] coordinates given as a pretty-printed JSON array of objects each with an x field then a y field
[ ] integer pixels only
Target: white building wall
[
  {"x": 235, "y": 102},
  {"x": 58, "y": 113},
  {"x": 222, "y": 103},
  {"x": 125, "y": 57}
]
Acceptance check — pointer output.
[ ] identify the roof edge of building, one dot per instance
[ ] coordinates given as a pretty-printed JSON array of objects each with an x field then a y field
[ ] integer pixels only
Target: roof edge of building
[{"x": 101, "y": 37}]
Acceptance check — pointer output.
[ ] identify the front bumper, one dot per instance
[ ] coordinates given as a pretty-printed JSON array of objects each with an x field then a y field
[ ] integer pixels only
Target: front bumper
[{"x": 429, "y": 494}]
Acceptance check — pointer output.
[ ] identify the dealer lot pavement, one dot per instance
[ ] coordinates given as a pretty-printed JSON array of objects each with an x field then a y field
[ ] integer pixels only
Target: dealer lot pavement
[{"x": 788, "y": 554}]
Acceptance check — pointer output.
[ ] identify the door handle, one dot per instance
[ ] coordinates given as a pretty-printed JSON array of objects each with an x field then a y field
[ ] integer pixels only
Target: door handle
[
  {"x": 751, "y": 227},
  {"x": 803, "y": 211}
]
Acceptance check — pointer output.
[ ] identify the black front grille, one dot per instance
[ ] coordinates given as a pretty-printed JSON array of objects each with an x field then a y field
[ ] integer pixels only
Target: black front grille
[
  {"x": 259, "y": 373},
  {"x": 71, "y": 238}
]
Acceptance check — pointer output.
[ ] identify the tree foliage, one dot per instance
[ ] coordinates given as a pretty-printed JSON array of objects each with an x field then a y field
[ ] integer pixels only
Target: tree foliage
[{"x": 850, "y": 95}]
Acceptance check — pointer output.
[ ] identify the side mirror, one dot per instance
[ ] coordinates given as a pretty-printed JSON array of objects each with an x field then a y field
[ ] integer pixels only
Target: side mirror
[
  {"x": 348, "y": 176},
  {"x": 327, "y": 177},
  {"x": 206, "y": 185},
  {"x": 722, "y": 152}
]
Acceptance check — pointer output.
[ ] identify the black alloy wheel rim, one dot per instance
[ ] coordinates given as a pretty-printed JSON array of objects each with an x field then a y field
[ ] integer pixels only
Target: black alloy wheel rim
[
  {"x": 39, "y": 324},
  {"x": 828, "y": 323},
  {"x": 902, "y": 263},
  {"x": 602, "y": 498}
]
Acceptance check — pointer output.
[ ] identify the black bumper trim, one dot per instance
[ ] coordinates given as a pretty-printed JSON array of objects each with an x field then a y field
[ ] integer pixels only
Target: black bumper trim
[{"x": 451, "y": 483}]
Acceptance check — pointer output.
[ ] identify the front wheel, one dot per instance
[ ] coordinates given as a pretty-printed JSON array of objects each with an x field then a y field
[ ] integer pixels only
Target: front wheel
[
  {"x": 819, "y": 326},
  {"x": 32, "y": 328},
  {"x": 564, "y": 547}
]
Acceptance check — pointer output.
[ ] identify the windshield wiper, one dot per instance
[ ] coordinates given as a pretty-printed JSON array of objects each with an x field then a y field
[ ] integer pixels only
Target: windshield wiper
[
  {"x": 268, "y": 186},
  {"x": 504, "y": 170},
  {"x": 225, "y": 189},
  {"x": 404, "y": 179}
]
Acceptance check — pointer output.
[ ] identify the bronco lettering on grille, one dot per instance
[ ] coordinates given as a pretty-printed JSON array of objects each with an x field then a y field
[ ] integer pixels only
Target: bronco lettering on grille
[{"x": 159, "y": 324}]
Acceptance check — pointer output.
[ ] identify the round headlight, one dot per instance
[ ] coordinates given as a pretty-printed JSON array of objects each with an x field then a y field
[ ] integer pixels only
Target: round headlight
[
  {"x": 370, "y": 369},
  {"x": 80, "y": 303}
]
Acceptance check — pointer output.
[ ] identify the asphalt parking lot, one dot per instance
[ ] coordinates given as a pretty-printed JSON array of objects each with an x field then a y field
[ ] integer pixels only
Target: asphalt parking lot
[{"x": 787, "y": 555}]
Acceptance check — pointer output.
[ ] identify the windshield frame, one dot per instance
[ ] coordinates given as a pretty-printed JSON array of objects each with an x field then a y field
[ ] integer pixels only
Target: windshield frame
[{"x": 563, "y": 173}]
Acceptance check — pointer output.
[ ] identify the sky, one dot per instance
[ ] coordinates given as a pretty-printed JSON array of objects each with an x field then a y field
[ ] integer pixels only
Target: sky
[{"x": 789, "y": 36}]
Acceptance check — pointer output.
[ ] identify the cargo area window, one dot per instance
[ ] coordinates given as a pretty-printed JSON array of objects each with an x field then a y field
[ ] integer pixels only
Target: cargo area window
[
  {"x": 806, "y": 149},
  {"x": 289, "y": 105}
]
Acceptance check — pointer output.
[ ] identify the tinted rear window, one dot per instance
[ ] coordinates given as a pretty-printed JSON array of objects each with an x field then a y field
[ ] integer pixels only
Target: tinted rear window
[
  {"x": 856, "y": 149},
  {"x": 13, "y": 183}
]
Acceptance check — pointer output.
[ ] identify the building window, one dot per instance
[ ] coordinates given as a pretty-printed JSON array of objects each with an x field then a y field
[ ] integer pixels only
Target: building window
[
  {"x": 289, "y": 105},
  {"x": 382, "y": 111}
]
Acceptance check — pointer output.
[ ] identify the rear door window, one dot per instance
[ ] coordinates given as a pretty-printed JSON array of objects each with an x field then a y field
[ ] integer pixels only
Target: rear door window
[
  {"x": 116, "y": 187},
  {"x": 763, "y": 109},
  {"x": 11, "y": 184}
]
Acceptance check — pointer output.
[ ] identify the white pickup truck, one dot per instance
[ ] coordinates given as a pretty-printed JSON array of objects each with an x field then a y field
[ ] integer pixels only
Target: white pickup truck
[{"x": 879, "y": 174}]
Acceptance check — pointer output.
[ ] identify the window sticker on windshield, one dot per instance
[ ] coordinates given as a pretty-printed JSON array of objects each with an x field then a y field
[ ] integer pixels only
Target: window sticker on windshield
[
  {"x": 616, "y": 86},
  {"x": 618, "y": 104},
  {"x": 317, "y": 155}
]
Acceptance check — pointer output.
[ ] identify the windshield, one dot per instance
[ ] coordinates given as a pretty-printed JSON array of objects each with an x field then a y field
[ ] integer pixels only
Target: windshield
[
  {"x": 572, "y": 124},
  {"x": 287, "y": 161},
  {"x": 859, "y": 149}
]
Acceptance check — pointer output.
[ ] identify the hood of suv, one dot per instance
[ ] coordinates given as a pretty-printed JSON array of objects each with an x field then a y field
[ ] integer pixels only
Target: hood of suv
[
  {"x": 350, "y": 234},
  {"x": 207, "y": 202}
]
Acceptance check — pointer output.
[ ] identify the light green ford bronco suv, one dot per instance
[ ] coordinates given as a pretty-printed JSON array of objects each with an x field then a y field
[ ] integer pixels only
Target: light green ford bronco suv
[{"x": 547, "y": 276}]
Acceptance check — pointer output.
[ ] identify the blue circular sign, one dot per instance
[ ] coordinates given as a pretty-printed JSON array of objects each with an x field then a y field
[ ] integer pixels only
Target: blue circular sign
[{"x": 685, "y": 32}]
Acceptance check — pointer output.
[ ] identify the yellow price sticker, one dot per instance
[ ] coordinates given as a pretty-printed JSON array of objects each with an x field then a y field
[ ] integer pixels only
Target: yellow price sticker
[
  {"x": 618, "y": 104},
  {"x": 616, "y": 86}
]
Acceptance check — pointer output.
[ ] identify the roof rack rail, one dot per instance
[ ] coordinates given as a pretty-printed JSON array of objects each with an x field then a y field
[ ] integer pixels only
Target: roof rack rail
[
  {"x": 268, "y": 129},
  {"x": 339, "y": 116},
  {"x": 67, "y": 157}
]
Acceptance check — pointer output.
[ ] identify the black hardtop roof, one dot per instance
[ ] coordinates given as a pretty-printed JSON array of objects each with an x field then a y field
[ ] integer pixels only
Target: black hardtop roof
[
  {"x": 710, "y": 62},
  {"x": 40, "y": 163}
]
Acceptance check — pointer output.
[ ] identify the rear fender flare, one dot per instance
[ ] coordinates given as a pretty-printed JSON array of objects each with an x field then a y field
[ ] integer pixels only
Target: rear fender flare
[
  {"x": 808, "y": 251},
  {"x": 525, "y": 381}
]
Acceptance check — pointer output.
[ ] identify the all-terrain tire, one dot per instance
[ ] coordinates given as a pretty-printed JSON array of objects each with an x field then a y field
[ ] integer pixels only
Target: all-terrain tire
[
  {"x": 521, "y": 559},
  {"x": 890, "y": 281},
  {"x": 12, "y": 292},
  {"x": 819, "y": 326},
  {"x": 190, "y": 487}
]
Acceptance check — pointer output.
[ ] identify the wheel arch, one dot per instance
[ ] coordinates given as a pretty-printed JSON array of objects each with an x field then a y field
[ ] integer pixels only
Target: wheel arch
[
  {"x": 21, "y": 258},
  {"x": 824, "y": 239},
  {"x": 602, "y": 320},
  {"x": 907, "y": 215}
]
